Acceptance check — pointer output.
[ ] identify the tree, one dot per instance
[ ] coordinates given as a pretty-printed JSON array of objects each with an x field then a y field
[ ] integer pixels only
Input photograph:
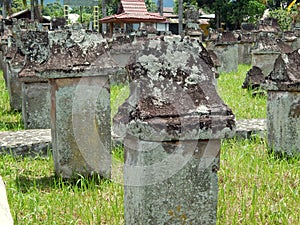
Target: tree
[
  {"x": 160, "y": 6},
  {"x": 53, "y": 9},
  {"x": 6, "y": 7},
  {"x": 151, "y": 6},
  {"x": 18, "y": 5},
  {"x": 234, "y": 12}
]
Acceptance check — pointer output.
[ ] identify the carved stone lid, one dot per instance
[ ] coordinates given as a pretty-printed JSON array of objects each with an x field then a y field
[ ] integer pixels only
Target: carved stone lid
[
  {"x": 269, "y": 43},
  {"x": 286, "y": 73},
  {"x": 68, "y": 53},
  {"x": 173, "y": 93}
]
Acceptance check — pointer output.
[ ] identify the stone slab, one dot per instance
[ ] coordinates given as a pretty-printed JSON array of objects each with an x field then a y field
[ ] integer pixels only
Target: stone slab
[
  {"x": 38, "y": 141},
  {"x": 26, "y": 142},
  {"x": 80, "y": 125}
]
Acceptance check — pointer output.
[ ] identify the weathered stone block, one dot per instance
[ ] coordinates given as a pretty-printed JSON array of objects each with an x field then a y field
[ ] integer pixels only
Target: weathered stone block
[
  {"x": 80, "y": 128},
  {"x": 264, "y": 60},
  {"x": 254, "y": 78},
  {"x": 266, "y": 50},
  {"x": 36, "y": 105},
  {"x": 78, "y": 66},
  {"x": 173, "y": 182},
  {"x": 283, "y": 105},
  {"x": 228, "y": 56},
  {"x": 283, "y": 110},
  {"x": 244, "y": 52},
  {"x": 226, "y": 49}
]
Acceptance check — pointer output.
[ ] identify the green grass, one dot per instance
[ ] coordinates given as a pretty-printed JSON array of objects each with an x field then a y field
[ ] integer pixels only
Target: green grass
[
  {"x": 241, "y": 101},
  {"x": 9, "y": 119},
  {"x": 254, "y": 186},
  {"x": 37, "y": 196},
  {"x": 118, "y": 94}
]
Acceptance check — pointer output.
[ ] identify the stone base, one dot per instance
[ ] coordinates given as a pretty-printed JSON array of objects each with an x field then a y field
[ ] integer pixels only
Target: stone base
[
  {"x": 36, "y": 105},
  {"x": 228, "y": 57},
  {"x": 244, "y": 53},
  {"x": 14, "y": 87},
  {"x": 283, "y": 122},
  {"x": 171, "y": 182}
]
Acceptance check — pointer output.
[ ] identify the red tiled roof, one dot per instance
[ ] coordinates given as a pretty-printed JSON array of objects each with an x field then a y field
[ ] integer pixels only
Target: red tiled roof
[
  {"x": 133, "y": 11},
  {"x": 134, "y": 6},
  {"x": 133, "y": 17}
]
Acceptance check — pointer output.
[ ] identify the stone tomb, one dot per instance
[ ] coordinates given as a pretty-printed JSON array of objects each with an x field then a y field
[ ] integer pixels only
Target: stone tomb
[
  {"x": 254, "y": 79},
  {"x": 245, "y": 43},
  {"x": 35, "y": 90},
  {"x": 267, "y": 48},
  {"x": 283, "y": 105},
  {"x": 77, "y": 66},
  {"x": 226, "y": 49},
  {"x": 174, "y": 120},
  {"x": 12, "y": 68}
]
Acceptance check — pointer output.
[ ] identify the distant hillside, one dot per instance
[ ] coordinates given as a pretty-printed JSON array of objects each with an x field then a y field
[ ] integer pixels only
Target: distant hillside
[{"x": 167, "y": 3}]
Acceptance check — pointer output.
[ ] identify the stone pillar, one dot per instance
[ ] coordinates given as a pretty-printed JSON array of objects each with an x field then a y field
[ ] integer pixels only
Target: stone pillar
[
  {"x": 226, "y": 48},
  {"x": 78, "y": 66},
  {"x": 35, "y": 90},
  {"x": 283, "y": 105},
  {"x": 174, "y": 120},
  {"x": 36, "y": 103},
  {"x": 244, "y": 48},
  {"x": 13, "y": 67}
]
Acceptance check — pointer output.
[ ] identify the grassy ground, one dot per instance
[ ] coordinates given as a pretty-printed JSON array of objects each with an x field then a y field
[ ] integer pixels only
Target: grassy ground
[
  {"x": 254, "y": 187},
  {"x": 9, "y": 119},
  {"x": 241, "y": 101}
]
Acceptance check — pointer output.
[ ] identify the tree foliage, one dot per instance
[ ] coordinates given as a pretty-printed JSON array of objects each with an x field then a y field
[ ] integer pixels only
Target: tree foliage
[
  {"x": 151, "y": 6},
  {"x": 233, "y": 12},
  {"x": 53, "y": 9}
]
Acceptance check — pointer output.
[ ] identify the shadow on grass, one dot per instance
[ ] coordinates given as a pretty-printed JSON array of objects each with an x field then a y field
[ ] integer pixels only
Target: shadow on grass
[
  {"x": 291, "y": 158},
  {"x": 27, "y": 184},
  {"x": 11, "y": 126}
]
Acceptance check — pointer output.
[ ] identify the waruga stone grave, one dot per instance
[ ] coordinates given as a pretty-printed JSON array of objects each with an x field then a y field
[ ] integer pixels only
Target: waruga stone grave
[
  {"x": 283, "y": 105},
  {"x": 77, "y": 65},
  {"x": 173, "y": 122}
]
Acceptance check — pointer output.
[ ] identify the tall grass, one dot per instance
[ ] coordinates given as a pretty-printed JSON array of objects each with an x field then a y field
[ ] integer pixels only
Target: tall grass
[
  {"x": 254, "y": 186},
  {"x": 9, "y": 119},
  {"x": 118, "y": 94},
  {"x": 37, "y": 196}
]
